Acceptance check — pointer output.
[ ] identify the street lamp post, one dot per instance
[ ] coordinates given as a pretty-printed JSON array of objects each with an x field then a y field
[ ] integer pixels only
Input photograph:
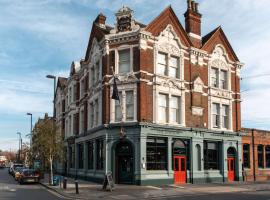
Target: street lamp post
[
  {"x": 54, "y": 85},
  {"x": 31, "y": 121},
  {"x": 20, "y": 145}
]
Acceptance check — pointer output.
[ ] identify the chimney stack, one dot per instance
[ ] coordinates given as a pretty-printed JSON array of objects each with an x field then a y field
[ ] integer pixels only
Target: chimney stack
[
  {"x": 100, "y": 20},
  {"x": 193, "y": 23}
]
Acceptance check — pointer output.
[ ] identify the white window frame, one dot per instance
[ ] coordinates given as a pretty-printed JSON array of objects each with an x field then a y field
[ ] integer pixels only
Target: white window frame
[
  {"x": 123, "y": 47},
  {"x": 221, "y": 103},
  {"x": 181, "y": 114},
  {"x": 168, "y": 66},
  {"x": 123, "y": 89}
]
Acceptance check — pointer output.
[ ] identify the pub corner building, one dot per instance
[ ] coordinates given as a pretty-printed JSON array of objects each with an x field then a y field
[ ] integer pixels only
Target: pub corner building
[{"x": 177, "y": 119}]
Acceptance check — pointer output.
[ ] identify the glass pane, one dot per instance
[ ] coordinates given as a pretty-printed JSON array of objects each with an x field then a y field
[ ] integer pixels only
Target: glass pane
[
  {"x": 174, "y": 102},
  {"x": 124, "y": 61},
  {"x": 174, "y": 62},
  {"x": 176, "y": 164},
  {"x": 212, "y": 146},
  {"x": 162, "y": 58},
  {"x": 183, "y": 164},
  {"x": 161, "y": 69},
  {"x": 232, "y": 165},
  {"x": 162, "y": 100},
  {"x": 173, "y": 72}
]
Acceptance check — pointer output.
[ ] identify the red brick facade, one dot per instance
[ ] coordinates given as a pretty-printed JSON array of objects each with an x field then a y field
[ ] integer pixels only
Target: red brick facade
[{"x": 260, "y": 137}]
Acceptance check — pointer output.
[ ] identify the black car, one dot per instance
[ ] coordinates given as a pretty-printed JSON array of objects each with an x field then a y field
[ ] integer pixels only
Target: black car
[{"x": 29, "y": 176}]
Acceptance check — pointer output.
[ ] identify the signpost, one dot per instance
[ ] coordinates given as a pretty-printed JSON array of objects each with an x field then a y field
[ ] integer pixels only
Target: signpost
[{"x": 108, "y": 181}]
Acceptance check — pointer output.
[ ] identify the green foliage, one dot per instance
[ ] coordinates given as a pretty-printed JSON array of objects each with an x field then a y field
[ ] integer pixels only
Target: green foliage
[{"x": 47, "y": 142}]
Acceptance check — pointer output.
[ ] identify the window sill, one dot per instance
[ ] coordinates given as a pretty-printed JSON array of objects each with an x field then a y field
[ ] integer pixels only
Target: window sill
[{"x": 168, "y": 77}]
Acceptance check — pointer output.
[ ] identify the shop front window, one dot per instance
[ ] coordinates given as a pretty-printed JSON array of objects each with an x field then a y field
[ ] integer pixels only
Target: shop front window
[
  {"x": 211, "y": 155},
  {"x": 267, "y": 156},
  {"x": 156, "y": 153},
  {"x": 260, "y": 156},
  {"x": 246, "y": 156}
]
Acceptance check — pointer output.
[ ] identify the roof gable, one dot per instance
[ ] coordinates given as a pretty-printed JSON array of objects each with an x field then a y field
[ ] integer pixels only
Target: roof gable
[
  {"x": 96, "y": 32},
  {"x": 165, "y": 18},
  {"x": 216, "y": 37}
]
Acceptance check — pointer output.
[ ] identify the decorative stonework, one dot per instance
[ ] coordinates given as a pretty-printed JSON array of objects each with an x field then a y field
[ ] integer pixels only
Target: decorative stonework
[
  {"x": 198, "y": 85},
  {"x": 220, "y": 93},
  {"x": 169, "y": 48},
  {"x": 124, "y": 21},
  {"x": 169, "y": 42},
  {"x": 197, "y": 111}
]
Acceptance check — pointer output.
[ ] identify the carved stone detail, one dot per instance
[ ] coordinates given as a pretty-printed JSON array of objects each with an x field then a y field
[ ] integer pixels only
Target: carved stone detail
[
  {"x": 169, "y": 48},
  {"x": 197, "y": 111},
  {"x": 220, "y": 93},
  {"x": 198, "y": 85}
]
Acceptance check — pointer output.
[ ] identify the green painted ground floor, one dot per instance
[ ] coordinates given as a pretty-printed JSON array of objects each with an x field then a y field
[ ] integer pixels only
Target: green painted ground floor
[{"x": 154, "y": 155}]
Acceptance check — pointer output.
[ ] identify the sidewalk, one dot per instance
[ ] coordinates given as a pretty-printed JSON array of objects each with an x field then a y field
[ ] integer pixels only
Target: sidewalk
[{"x": 89, "y": 190}]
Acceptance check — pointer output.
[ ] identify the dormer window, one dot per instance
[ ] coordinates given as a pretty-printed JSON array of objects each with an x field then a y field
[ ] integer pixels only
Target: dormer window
[
  {"x": 167, "y": 65},
  {"x": 124, "y": 61},
  {"x": 214, "y": 77}
]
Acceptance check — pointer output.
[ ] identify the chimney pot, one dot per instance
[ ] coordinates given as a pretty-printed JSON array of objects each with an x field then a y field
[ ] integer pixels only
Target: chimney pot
[
  {"x": 196, "y": 7},
  {"x": 189, "y": 4},
  {"x": 193, "y": 5}
]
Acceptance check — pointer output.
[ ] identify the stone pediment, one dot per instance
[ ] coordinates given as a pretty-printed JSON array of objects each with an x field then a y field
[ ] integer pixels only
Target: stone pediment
[
  {"x": 198, "y": 85},
  {"x": 168, "y": 41}
]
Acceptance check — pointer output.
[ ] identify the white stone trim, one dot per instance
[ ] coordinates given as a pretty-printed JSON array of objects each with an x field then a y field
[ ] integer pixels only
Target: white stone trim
[{"x": 123, "y": 88}]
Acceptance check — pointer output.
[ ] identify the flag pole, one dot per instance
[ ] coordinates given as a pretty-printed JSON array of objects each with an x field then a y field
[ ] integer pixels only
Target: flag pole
[{"x": 122, "y": 132}]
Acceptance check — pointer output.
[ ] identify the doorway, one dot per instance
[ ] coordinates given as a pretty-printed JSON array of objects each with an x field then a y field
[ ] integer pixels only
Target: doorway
[
  {"x": 180, "y": 170},
  {"x": 124, "y": 165},
  {"x": 231, "y": 164}
]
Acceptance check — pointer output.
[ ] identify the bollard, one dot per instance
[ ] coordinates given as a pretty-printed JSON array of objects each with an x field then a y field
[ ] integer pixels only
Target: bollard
[
  {"x": 77, "y": 187},
  {"x": 65, "y": 183}
]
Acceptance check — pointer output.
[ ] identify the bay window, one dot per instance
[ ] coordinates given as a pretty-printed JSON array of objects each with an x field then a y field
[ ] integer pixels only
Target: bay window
[
  {"x": 156, "y": 154},
  {"x": 124, "y": 61}
]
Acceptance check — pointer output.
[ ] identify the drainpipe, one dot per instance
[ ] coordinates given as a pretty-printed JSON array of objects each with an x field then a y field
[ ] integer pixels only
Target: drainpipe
[{"x": 253, "y": 151}]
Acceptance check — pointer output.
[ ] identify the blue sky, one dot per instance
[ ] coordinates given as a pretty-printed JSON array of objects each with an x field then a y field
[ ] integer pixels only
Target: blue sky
[{"x": 40, "y": 37}]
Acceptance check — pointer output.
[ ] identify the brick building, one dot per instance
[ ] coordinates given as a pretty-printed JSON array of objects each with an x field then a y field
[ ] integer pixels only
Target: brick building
[
  {"x": 256, "y": 154},
  {"x": 179, "y": 96}
]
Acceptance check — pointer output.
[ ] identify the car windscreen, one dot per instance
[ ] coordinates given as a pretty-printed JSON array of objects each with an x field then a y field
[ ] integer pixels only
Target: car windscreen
[{"x": 29, "y": 172}]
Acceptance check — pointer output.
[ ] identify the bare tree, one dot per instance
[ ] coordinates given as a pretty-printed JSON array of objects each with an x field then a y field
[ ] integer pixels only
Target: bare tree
[{"x": 47, "y": 143}]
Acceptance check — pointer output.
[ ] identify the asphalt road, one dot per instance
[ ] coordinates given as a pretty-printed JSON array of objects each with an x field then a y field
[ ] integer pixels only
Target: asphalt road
[
  {"x": 11, "y": 190},
  {"x": 258, "y": 195}
]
